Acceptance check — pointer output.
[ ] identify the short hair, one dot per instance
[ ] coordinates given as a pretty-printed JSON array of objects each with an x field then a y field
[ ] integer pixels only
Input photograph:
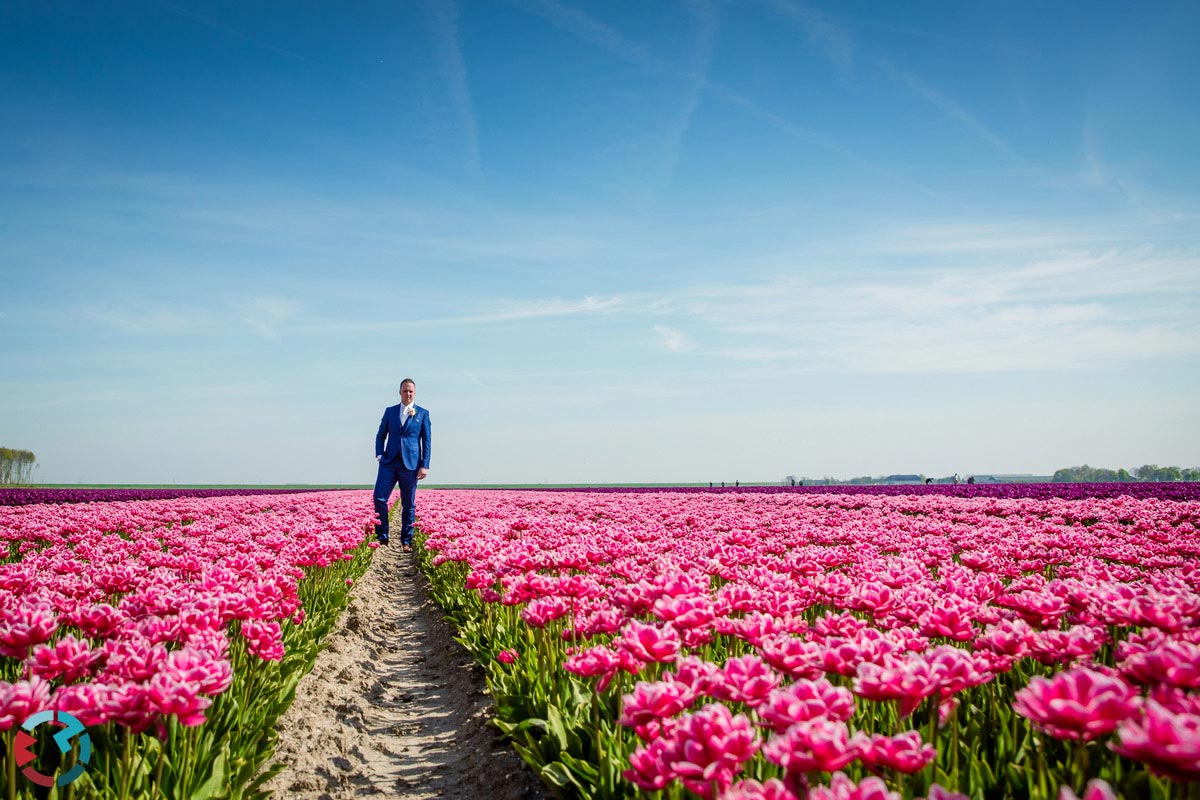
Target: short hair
[{"x": 408, "y": 380}]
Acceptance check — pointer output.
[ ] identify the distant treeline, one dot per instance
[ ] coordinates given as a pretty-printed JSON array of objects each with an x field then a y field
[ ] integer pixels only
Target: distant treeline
[
  {"x": 1147, "y": 473},
  {"x": 16, "y": 467}
]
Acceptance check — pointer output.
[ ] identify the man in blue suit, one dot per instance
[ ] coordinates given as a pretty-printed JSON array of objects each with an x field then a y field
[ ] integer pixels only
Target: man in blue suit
[{"x": 402, "y": 450}]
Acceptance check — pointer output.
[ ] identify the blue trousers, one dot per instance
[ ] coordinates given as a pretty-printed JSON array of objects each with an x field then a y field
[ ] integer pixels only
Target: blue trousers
[{"x": 389, "y": 476}]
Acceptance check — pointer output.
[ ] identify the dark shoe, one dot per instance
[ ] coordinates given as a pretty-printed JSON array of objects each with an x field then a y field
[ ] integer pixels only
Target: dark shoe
[
  {"x": 406, "y": 547},
  {"x": 381, "y": 539}
]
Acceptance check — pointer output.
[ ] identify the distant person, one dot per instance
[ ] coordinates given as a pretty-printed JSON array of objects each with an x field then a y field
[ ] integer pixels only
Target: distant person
[
  {"x": 402, "y": 450},
  {"x": 971, "y": 480},
  {"x": 928, "y": 481}
]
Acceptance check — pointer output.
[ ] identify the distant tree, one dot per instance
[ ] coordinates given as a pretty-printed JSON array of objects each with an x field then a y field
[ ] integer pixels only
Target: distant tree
[
  {"x": 1153, "y": 472},
  {"x": 1085, "y": 474},
  {"x": 16, "y": 467}
]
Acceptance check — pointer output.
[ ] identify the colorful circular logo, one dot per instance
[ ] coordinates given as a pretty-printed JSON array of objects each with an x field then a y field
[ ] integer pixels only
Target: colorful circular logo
[{"x": 72, "y": 729}]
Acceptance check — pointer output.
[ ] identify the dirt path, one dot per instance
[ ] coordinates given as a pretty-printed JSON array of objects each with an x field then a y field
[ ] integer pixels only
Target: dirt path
[{"x": 394, "y": 707}]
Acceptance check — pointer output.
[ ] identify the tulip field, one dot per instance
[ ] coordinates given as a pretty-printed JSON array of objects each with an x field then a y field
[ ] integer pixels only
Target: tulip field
[
  {"x": 834, "y": 645},
  {"x": 828, "y": 643},
  {"x": 175, "y": 630}
]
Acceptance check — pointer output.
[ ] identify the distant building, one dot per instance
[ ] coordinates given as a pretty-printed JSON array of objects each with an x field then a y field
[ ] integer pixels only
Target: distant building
[{"x": 900, "y": 480}]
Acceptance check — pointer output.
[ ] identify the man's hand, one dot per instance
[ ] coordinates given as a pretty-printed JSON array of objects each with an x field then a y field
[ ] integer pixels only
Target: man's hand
[
  {"x": 421, "y": 473},
  {"x": 378, "y": 458}
]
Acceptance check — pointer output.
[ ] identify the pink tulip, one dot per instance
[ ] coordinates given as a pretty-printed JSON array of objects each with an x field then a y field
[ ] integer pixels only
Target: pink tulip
[
  {"x": 772, "y": 789},
  {"x": 507, "y": 656},
  {"x": 68, "y": 660},
  {"x": 908, "y": 681},
  {"x": 1166, "y": 741},
  {"x": 1176, "y": 663},
  {"x": 99, "y": 621},
  {"x": 1081, "y": 704},
  {"x": 904, "y": 753},
  {"x": 805, "y": 700},
  {"x": 1007, "y": 637},
  {"x": 649, "y": 643},
  {"x": 98, "y": 703},
  {"x": 816, "y": 744},
  {"x": 263, "y": 639},
  {"x": 704, "y": 751},
  {"x": 27, "y": 624},
  {"x": 745, "y": 679},
  {"x": 792, "y": 655},
  {"x": 843, "y": 788},
  {"x": 651, "y": 703},
  {"x": 211, "y": 674},
  {"x": 168, "y": 695},
  {"x": 21, "y": 699},
  {"x": 1096, "y": 790},
  {"x": 650, "y": 766}
]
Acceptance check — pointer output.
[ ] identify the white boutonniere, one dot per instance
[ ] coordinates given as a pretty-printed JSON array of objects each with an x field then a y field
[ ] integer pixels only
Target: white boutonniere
[{"x": 412, "y": 412}]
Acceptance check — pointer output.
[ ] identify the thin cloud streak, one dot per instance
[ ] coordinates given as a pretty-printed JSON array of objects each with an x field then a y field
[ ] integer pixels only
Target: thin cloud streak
[
  {"x": 827, "y": 36},
  {"x": 950, "y": 108},
  {"x": 542, "y": 308},
  {"x": 588, "y": 29},
  {"x": 447, "y": 46}
]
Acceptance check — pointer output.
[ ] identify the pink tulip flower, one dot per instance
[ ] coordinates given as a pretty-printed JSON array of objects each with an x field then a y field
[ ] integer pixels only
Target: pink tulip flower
[
  {"x": 1166, "y": 741},
  {"x": 710, "y": 748},
  {"x": 816, "y": 744},
  {"x": 745, "y": 679},
  {"x": 843, "y": 788},
  {"x": 650, "y": 643},
  {"x": 651, "y": 703},
  {"x": 1080, "y": 704},
  {"x": 1175, "y": 663},
  {"x": 772, "y": 789},
  {"x": 908, "y": 681},
  {"x": 805, "y": 700},
  {"x": 68, "y": 660},
  {"x": 23, "y": 626},
  {"x": 21, "y": 699},
  {"x": 1096, "y": 790},
  {"x": 792, "y": 655},
  {"x": 263, "y": 639},
  {"x": 905, "y": 752}
]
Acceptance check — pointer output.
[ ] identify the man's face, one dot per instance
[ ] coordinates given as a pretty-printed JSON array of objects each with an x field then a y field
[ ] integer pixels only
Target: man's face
[{"x": 407, "y": 393}]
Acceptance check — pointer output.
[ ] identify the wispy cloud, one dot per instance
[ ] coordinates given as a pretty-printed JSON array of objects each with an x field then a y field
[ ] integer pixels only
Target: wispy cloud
[
  {"x": 825, "y": 34},
  {"x": 513, "y": 311},
  {"x": 672, "y": 339},
  {"x": 589, "y": 29},
  {"x": 707, "y": 20},
  {"x": 1065, "y": 311},
  {"x": 951, "y": 108},
  {"x": 266, "y": 315},
  {"x": 610, "y": 40},
  {"x": 447, "y": 47},
  {"x": 151, "y": 319}
]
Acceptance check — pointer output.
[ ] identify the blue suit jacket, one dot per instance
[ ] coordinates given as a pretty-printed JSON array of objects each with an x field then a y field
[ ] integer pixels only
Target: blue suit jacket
[{"x": 406, "y": 442}]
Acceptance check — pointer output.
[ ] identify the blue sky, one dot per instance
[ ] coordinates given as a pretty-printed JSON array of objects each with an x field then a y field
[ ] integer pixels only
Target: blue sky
[{"x": 679, "y": 241}]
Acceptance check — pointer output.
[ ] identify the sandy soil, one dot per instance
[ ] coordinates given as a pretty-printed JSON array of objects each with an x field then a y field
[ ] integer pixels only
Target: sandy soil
[{"x": 395, "y": 707}]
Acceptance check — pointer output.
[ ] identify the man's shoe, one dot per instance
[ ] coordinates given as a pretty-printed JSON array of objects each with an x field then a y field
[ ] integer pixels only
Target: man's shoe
[
  {"x": 407, "y": 548},
  {"x": 381, "y": 539}
]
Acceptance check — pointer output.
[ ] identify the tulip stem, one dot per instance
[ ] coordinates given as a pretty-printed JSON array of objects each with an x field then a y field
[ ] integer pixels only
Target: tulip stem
[{"x": 10, "y": 761}]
